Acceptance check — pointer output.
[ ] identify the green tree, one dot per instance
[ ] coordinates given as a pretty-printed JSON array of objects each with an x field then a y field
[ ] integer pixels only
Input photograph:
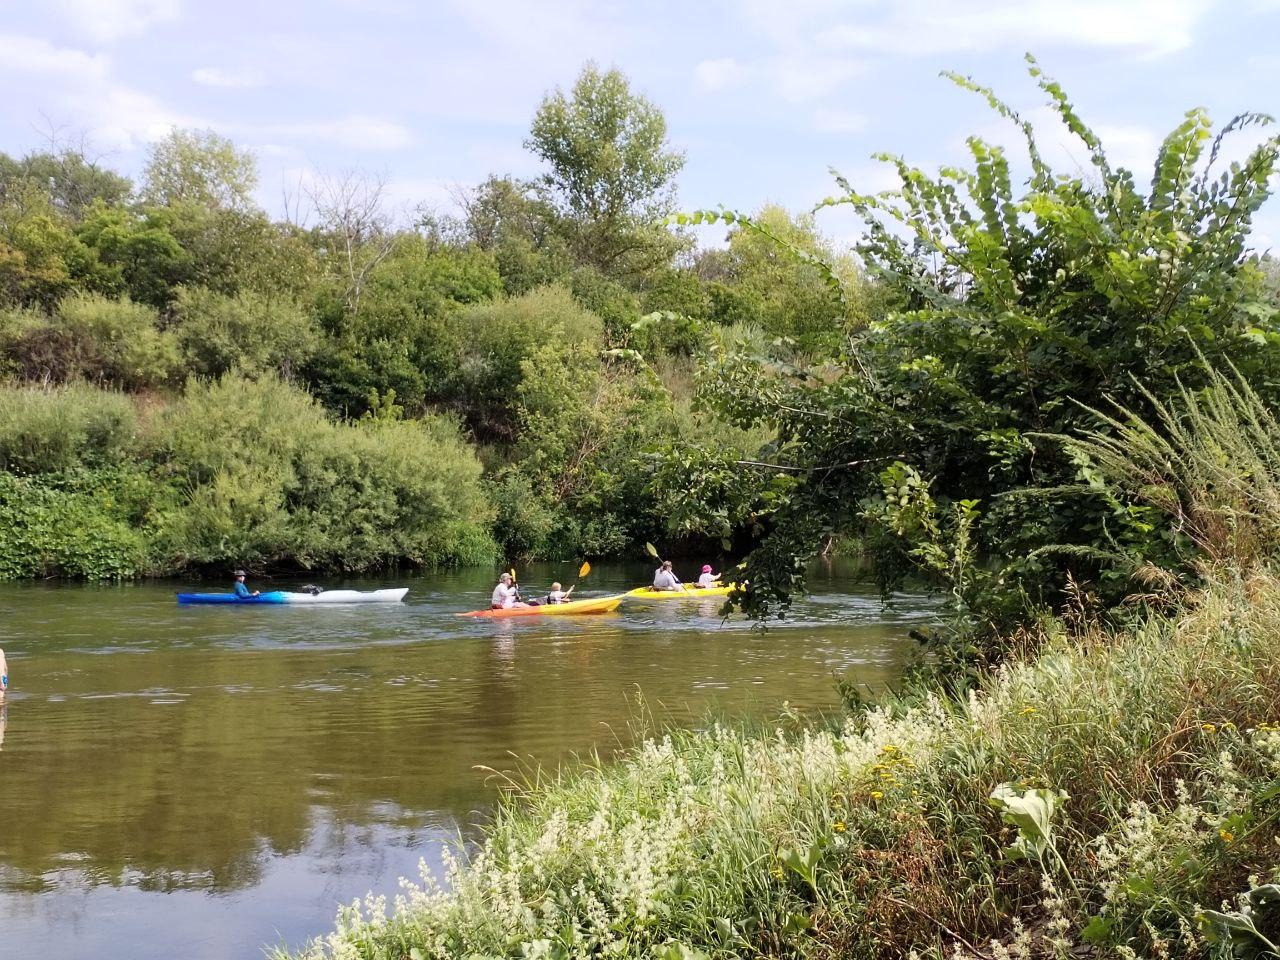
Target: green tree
[
  {"x": 199, "y": 167},
  {"x": 72, "y": 181},
  {"x": 611, "y": 171},
  {"x": 1016, "y": 312}
]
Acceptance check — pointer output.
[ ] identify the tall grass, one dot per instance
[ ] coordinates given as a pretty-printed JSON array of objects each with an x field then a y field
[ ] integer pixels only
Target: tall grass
[
  {"x": 881, "y": 837},
  {"x": 1209, "y": 459}
]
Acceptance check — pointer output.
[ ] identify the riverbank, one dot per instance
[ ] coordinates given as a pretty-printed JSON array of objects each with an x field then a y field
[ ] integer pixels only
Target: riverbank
[{"x": 1103, "y": 795}]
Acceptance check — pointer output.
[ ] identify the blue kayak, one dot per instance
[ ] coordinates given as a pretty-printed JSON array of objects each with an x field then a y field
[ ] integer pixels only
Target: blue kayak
[
  {"x": 394, "y": 595},
  {"x": 276, "y": 596}
]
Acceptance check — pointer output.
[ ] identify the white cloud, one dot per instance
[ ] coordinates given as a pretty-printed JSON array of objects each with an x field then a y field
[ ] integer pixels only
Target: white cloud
[
  {"x": 21, "y": 54},
  {"x": 834, "y": 120},
  {"x": 121, "y": 118},
  {"x": 1150, "y": 27},
  {"x": 719, "y": 74},
  {"x": 228, "y": 79},
  {"x": 800, "y": 78},
  {"x": 108, "y": 20},
  {"x": 357, "y": 132}
]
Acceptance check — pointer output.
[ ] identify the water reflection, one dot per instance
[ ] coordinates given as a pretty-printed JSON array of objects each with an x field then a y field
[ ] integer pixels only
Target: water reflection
[{"x": 222, "y": 777}]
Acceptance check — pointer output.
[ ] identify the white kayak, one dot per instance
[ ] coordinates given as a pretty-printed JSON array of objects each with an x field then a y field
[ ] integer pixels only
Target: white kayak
[{"x": 394, "y": 595}]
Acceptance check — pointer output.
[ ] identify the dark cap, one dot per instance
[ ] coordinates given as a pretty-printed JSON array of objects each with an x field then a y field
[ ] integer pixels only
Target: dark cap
[{"x": 241, "y": 573}]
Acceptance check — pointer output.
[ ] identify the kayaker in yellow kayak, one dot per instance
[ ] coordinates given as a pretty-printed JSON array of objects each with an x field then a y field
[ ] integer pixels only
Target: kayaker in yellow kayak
[
  {"x": 707, "y": 578},
  {"x": 664, "y": 578}
]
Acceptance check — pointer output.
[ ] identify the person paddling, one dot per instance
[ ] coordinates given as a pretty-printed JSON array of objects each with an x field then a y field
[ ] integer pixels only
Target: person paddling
[
  {"x": 4, "y": 675},
  {"x": 664, "y": 578},
  {"x": 707, "y": 578},
  {"x": 506, "y": 594},
  {"x": 240, "y": 589}
]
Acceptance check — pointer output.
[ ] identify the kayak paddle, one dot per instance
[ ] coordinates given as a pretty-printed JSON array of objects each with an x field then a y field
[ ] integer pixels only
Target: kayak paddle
[{"x": 582, "y": 575}]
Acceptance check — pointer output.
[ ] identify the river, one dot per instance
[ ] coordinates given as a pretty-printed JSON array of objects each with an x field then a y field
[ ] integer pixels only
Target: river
[{"x": 204, "y": 781}]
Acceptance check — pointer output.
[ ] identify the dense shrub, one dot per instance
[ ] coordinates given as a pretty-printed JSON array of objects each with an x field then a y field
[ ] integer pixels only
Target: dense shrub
[
  {"x": 90, "y": 337},
  {"x": 49, "y": 429},
  {"x": 87, "y": 524},
  {"x": 499, "y": 335},
  {"x": 248, "y": 331},
  {"x": 274, "y": 480}
]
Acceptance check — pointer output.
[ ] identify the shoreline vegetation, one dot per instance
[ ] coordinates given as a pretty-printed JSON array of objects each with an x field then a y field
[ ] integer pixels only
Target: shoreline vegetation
[{"x": 1104, "y": 799}]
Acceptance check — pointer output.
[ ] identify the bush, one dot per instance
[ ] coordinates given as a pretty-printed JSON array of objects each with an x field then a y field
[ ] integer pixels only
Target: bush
[
  {"x": 274, "y": 480},
  {"x": 498, "y": 336},
  {"x": 85, "y": 524},
  {"x": 48, "y": 429},
  {"x": 250, "y": 331},
  {"x": 89, "y": 337}
]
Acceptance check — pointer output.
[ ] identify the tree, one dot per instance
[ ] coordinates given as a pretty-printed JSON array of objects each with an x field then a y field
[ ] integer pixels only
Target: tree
[
  {"x": 763, "y": 282},
  {"x": 934, "y": 435},
  {"x": 71, "y": 181},
  {"x": 201, "y": 168},
  {"x": 611, "y": 173}
]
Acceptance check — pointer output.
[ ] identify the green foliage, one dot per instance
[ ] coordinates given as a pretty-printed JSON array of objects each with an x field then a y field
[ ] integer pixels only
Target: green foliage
[
  {"x": 497, "y": 337},
  {"x": 1206, "y": 462},
  {"x": 400, "y": 336},
  {"x": 251, "y": 332},
  {"x": 611, "y": 171},
  {"x": 273, "y": 480},
  {"x": 53, "y": 429},
  {"x": 78, "y": 524},
  {"x": 1014, "y": 314},
  {"x": 200, "y": 168},
  {"x": 72, "y": 182},
  {"x": 92, "y": 338}
]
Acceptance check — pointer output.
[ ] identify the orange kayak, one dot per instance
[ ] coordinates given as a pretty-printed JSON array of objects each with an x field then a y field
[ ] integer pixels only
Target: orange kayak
[{"x": 595, "y": 605}]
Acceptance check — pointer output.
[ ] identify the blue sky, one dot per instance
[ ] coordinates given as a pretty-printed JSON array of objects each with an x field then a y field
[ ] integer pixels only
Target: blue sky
[{"x": 763, "y": 95}]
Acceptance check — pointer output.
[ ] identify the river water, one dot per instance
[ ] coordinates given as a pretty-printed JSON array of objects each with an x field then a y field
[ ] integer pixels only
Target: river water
[{"x": 202, "y": 781}]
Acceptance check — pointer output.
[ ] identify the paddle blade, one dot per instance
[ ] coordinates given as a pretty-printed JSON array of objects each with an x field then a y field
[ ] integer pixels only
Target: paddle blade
[
  {"x": 512, "y": 571},
  {"x": 584, "y": 570},
  {"x": 649, "y": 548}
]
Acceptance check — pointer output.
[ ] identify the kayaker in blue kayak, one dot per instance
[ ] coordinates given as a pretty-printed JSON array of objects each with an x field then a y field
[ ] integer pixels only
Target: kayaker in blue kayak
[
  {"x": 240, "y": 589},
  {"x": 664, "y": 578}
]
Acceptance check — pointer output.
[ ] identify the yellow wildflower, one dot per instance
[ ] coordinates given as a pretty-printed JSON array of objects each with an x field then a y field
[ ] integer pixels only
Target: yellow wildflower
[
  {"x": 1027, "y": 710},
  {"x": 1226, "y": 835},
  {"x": 839, "y": 826},
  {"x": 876, "y": 794},
  {"x": 1208, "y": 727},
  {"x": 777, "y": 873}
]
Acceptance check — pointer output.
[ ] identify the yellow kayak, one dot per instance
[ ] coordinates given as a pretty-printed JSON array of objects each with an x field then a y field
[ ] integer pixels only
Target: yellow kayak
[
  {"x": 688, "y": 593},
  {"x": 567, "y": 609}
]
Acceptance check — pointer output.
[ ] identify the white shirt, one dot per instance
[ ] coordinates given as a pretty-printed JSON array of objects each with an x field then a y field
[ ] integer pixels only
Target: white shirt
[
  {"x": 707, "y": 580},
  {"x": 665, "y": 580},
  {"x": 503, "y": 596},
  {"x": 556, "y": 596}
]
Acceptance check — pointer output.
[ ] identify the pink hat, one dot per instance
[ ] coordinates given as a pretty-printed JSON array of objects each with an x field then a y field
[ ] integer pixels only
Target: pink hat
[{"x": 706, "y": 568}]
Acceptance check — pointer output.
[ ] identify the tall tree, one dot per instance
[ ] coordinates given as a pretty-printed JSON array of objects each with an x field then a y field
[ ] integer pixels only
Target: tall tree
[
  {"x": 69, "y": 178},
  {"x": 199, "y": 167},
  {"x": 611, "y": 171}
]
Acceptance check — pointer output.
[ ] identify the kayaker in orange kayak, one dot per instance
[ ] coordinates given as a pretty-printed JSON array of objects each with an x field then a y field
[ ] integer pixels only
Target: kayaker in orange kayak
[{"x": 506, "y": 595}]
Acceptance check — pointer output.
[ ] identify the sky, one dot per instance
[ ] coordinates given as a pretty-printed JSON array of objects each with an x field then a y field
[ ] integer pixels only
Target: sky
[{"x": 765, "y": 97}]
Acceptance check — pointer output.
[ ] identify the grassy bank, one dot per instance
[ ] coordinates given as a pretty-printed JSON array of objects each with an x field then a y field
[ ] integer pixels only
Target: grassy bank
[{"x": 936, "y": 828}]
